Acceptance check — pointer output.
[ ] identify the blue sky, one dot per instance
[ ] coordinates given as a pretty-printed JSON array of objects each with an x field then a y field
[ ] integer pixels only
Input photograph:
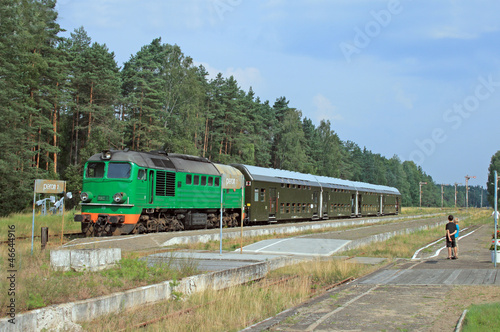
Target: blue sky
[{"x": 417, "y": 79}]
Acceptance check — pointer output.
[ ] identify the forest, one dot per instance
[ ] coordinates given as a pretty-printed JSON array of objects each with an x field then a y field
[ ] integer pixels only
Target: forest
[{"x": 65, "y": 99}]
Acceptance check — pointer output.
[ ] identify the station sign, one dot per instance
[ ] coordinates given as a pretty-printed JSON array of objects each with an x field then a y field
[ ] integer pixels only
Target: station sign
[{"x": 49, "y": 186}]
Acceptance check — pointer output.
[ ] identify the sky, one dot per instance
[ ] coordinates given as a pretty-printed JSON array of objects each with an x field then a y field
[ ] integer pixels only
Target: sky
[{"x": 416, "y": 79}]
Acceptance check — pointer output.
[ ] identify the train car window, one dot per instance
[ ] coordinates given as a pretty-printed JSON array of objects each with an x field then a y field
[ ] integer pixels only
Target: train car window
[
  {"x": 141, "y": 174},
  {"x": 256, "y": 195},
  {"x": 189, "y": 179},
  {"x": 203, "y": 180},
  {"x": 282, "y": 207},
  {"x": 119, "y": 170},
  {"x": 262, "y": 195},
  {"x": 196, "y": 180},
  {"x": 287, "y": 208},
  {"x": 210, "y": 181},
  {"x": 95, "y": 170},
  {"x": 217, "y": 182}
]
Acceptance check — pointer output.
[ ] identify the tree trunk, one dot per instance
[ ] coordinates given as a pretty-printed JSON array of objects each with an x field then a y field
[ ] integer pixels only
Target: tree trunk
[
  {"x": 54, "y": 122},
  {"x": 90, "y": 111}
]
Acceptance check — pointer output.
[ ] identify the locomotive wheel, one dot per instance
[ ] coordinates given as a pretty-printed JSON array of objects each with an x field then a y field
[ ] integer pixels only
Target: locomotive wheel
[
  {"x": 162, "y": 227},
  {"x": 88, "y": 228},
  {"x": 152, "y": 226},
  {"x": 141, "y": 229}
]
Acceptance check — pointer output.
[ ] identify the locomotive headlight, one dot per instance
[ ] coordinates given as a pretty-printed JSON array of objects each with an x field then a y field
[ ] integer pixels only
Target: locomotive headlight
[
  {"x": 86, "y": 197},
  {"x": 119, "y": 197},
  {"x": 106, "y": 155}
]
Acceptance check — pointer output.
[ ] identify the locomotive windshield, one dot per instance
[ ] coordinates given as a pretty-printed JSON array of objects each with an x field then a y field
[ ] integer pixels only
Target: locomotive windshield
[
  {"x": 118, "y": 170},
  {"x": 95, "y": 170}
]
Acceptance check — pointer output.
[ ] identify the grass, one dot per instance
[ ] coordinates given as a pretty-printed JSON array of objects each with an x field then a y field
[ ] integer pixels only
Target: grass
[
  {"x": 37, "y": 285},
  {"x": 483, "y": 317},
  {"x": 404, "y": 246},
  {"x": 23, "y": 223},
  {"x": 237, "y": 307}
]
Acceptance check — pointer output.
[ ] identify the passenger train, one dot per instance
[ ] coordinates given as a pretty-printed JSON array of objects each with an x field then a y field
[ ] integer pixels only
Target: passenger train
[{"x": 140, "y": 192}]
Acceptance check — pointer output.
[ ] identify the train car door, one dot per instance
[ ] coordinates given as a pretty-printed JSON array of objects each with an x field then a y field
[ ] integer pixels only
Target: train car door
[
  {"x": 315, "y": 205},
  {"x": 151, "y": 186},
  {"x": 325, "y": 204},
  {"x": 354, "y": 211},
  {"x": 360, "y": 211},
  {"x": 273, "y": 204}
]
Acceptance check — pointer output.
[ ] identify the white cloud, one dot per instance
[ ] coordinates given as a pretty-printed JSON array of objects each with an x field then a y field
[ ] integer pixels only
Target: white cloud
[
  {"x": 324, "y": 109},
  {"x": 246, "y": 77}
]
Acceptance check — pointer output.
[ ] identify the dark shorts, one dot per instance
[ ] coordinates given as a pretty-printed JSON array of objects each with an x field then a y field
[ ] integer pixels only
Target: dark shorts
[{"x": 451, "y": 244}]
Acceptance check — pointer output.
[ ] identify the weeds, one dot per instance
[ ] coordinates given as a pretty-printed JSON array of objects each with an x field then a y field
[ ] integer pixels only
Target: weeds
[
  {"x": 38, "y": 285},
  {"x": 482, "y": 317}
]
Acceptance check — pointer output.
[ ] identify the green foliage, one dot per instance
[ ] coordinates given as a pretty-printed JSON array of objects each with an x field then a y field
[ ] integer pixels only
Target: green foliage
[
  {"x": 484, "y": 317},
  {"x": 35, "y": 301},
  {"x": 65, "y": 99}
]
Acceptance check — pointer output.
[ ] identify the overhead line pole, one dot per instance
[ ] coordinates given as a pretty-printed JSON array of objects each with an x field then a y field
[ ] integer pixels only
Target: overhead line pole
[
  {"x": 420, "y": 191},
  {"x": 467, "y": 177}
]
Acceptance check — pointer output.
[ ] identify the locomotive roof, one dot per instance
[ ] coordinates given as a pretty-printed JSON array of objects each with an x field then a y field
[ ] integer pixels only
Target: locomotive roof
[
  {"x": 256, "y": 173},
  {"x": 162, "y": 160}
]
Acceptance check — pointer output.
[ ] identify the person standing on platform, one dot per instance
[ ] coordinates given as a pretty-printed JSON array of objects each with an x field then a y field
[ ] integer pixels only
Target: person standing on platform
[
  {"x": 456, "y": 238},
  {"x": 451, "y": 230}
]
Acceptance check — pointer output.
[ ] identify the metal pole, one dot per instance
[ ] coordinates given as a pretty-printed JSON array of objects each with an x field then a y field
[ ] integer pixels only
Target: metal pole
[
  {"x": 442, "y": 194},
  {"x": 467, "y": 193},
  {"x": 62, "y": 223},
  {"x": 496, "y": 219},
  {"x": 221, "y": 205},
  {"x": 467, "y": 177},
  {"x": 420, "y": 193},
  {"x": 455, "y": 194},
  {"x": 33, "y": 223},
  {"x": 242, "y": 211}
]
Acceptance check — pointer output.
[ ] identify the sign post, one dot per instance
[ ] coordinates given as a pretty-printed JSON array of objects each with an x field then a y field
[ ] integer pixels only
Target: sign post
[{"x": 46, "y": 187}]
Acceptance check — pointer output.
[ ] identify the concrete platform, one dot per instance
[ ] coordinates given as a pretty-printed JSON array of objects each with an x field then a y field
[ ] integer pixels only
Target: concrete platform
[
  {"x": 298, "y": 246},
  {"x": 208, "y": 261}
]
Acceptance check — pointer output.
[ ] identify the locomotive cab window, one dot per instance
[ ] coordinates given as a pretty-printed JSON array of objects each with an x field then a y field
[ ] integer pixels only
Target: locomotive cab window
[
  {"x": 196, "y": 180},
  {"x": 217, "y": 182},
  {"x": 141, "y": 174},
  {"x": 203, "y": 180},
  {"x": 95, "y": 170},
  {"x": 189, "y": 179},
  {"x": 210, "y": 181},
  {"x": 119, "y": 170}
]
